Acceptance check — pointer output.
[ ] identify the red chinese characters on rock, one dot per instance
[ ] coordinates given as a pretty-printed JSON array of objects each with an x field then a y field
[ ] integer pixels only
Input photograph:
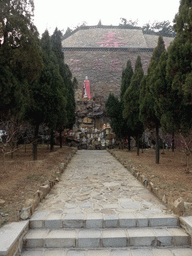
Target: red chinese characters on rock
[
  {"x": 86, "y": 89},
  {"x": 111, "y": 40},
  {"x": 74, "y": 65},
  {"x": 115, "y": 65},
  {"x": 98, "y": 64}
]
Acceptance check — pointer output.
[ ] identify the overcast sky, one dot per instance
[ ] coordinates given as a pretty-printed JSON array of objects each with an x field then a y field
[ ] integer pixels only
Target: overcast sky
[{"x": 70, "y": 13}]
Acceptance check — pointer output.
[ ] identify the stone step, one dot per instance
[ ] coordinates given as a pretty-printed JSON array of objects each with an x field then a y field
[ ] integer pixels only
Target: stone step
[
  {"x": 11, "y": 236},
  {"x": 95, "y": 238},
  {"x": 150, "y": 251},
  {"x": 122, "y": 220}
]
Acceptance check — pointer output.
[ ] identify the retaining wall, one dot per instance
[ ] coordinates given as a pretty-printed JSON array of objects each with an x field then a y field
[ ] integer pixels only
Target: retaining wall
[{"x": 103, "y": 66}]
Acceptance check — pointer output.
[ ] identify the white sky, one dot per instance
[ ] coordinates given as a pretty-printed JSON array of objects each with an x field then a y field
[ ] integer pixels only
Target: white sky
[{"x": 70, "y": 13}]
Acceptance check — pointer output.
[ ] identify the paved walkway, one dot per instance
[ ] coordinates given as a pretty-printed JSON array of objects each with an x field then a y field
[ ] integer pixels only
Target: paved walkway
[
  {"x": 99, "y": 208},
  {"x": 96, "y": 183}
]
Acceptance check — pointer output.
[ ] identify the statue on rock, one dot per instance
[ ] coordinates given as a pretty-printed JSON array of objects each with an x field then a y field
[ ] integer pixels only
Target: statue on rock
[{"x": 86, "y": 89}]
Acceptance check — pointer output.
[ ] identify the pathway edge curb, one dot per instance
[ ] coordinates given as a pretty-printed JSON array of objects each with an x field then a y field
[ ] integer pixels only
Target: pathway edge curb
[
  {"x": 15, "y": 244},
  {"x": 31, "y": 203},
  {"x": 185, "y": 222}
]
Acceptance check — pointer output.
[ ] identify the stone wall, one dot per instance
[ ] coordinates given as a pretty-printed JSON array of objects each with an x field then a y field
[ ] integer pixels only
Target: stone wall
[
  {"x": 101, "y": 53},
  {"x": 103, "y": 67}
]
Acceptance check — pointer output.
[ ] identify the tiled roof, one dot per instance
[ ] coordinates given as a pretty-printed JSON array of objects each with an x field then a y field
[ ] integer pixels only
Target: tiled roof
[
  {"x": 112, "y": 38},
  {"x": 151, "y": 40}
]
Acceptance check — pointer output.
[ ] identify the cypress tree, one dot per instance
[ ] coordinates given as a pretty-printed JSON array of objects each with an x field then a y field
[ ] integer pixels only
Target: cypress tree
[
  {"x": 69, "y": 119},
  {"x": 126, "y": 79},
  {"x": 20, "y": 60},
  {"x": 125, "y": 83},
  {"x": 47, "y": 96},
  {"x": 56, "y": 104},
  {"x": 114, "y": 106},
  {"x": 131, "y": 102},
  {"x": 71, "y": 85},
  {"x": 149, "y": 112},
  {"x": 165, "y": 99},
  {"x": 114, "y": 112},
  {"x": 179, "y": 68},
  {"x": 57, "y": 49}
]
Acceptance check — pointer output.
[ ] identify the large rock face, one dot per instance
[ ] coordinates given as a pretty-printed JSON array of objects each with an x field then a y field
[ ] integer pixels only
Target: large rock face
[
  {"x": 90, "y": 113},
  {"x": 102, "y": 54}
]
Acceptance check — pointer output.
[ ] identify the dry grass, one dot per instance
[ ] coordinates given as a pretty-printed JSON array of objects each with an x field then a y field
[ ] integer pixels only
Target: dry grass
[
  {"x": 22, "y": 177},
  {"x": 170, "y": 176}
]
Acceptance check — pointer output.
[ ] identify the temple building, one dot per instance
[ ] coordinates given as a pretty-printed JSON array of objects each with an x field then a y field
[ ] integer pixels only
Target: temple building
[{"x": 101, "y": 54}]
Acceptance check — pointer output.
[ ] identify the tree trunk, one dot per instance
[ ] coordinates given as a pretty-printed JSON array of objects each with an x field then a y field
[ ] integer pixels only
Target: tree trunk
[
  {"x": 142, "y": 145},
  {"x": 35, "y": 142},
  {"x": 51, "y": 141},
  {"x": 173, "y": 142},
  {"x": 163, "y": 149},
  {"x": 137, "y": 139},
  {"x": 187, "y": 161},
  {"x": 4, "y": 170},
  {"x": 12, "y": 149},
  {"x": 60, "y": 139},
  {"x": 129, "y": 143},
  {"x": 157, "y": 144}
]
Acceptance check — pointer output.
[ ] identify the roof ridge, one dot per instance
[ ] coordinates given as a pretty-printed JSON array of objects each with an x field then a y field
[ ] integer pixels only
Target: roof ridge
[{"x": 101, "y": 27}]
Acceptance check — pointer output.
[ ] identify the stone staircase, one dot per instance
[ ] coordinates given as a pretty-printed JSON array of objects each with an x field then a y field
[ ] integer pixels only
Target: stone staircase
[{"x": 106, "y": 235}]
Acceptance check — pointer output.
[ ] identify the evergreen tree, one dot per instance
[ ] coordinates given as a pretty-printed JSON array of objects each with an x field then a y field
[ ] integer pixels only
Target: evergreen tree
[
  {"x": 125, "y": 83},
  {"x": 67, "y": 33},
  {"x": 20, "y": 60},
  {"x": 149, "y": 112},
  {"x": 115, "y": 107},
  {"x": 47, "y": 95},
  {"x": 66, "y": 74},
  {"x": 9, "y": 89},
  {"x": 179, "y": 68},
  {"x": 71, "y": 85},
  {"x": 57, "y": 49},
  {"x": 166, "y": 99},
  {"x": 114, "y": 112},
  {"x": 16, "y": 22},
  {"x": 126, "y": 79},
  {"x": 163, "y": 28},
  {"x": 56, "y": 105},
  {"x": 51, "y": 76},
  {"x": 131, "y": 102},
  {"x": 99, "y": 25},
  {"x": 182, "y": 21}
]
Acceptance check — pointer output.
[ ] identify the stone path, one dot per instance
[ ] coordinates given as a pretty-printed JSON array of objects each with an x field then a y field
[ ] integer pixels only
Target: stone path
[
  {"x": 99, "y": 208},
  {"x": 95, "y": 182}
]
